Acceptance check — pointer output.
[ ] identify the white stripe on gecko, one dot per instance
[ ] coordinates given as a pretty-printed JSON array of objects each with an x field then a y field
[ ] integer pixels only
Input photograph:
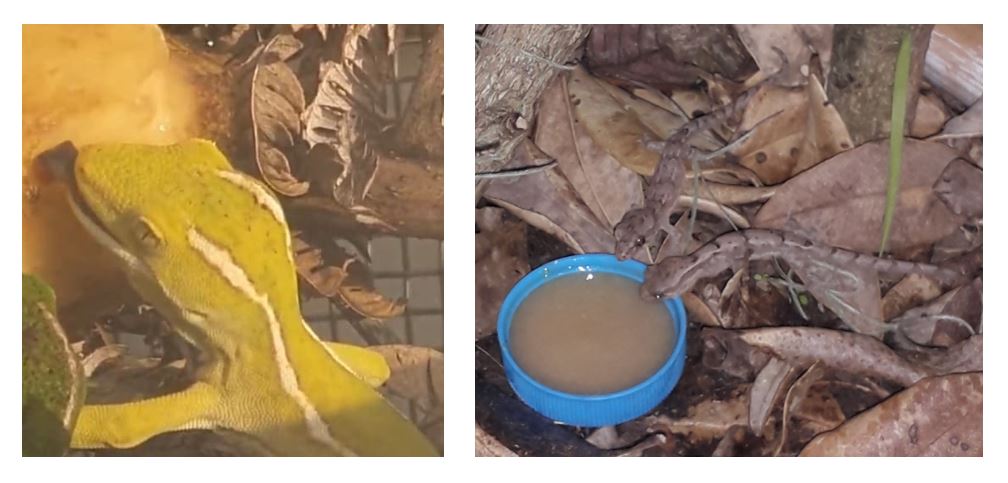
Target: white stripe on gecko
[{"x": 221, "y": 259}]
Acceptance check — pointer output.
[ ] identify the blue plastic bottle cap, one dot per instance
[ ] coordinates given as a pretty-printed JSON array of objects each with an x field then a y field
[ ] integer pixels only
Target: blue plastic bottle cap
[{"x": 580, "y": 409}]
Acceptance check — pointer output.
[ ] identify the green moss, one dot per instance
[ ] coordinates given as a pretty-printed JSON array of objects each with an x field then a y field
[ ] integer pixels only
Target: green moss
[{"x": 51, "y": 379}]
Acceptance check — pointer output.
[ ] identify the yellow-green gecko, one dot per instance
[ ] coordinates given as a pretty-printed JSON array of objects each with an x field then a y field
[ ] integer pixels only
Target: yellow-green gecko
[{"x": 210, "y": 249}]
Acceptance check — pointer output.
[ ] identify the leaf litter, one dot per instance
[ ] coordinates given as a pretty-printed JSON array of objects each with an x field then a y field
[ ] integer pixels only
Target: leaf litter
[{"x": 808, "y": 351}]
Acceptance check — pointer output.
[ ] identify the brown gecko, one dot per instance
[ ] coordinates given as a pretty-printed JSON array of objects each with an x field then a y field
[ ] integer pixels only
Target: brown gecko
[
  {"x": 674, "y": 276},
  {"x": 639, "y": 224}
]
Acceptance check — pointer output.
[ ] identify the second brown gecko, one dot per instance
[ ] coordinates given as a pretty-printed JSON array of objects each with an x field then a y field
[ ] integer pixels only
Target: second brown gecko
[{"x": 674, "y": 276}]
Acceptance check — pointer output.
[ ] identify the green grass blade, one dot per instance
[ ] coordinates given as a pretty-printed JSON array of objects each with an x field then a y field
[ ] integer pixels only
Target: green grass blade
[{"x": 900, "y": 84}]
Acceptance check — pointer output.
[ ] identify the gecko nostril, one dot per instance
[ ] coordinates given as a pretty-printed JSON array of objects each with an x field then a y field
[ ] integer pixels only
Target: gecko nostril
[{"x": 58, "y": 162}]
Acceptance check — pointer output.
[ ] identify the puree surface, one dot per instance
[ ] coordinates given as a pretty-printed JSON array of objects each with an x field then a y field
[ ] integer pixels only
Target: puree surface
[{"x": 591, "y": 333}]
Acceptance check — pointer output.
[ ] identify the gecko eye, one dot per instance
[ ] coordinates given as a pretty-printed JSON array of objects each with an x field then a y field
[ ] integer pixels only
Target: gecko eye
[
  {"x": 145, "y": 234},
  {"x": 639, "y": 241}
]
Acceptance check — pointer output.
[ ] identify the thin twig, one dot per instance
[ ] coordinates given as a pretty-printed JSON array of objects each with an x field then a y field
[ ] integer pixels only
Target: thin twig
[
  {"x": 512, "y": 172},
  {"x": 492, "y": 358}
]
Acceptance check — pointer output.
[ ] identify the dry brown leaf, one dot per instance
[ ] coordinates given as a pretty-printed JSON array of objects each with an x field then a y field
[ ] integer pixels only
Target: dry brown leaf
[
  {"x": 930, "y": 117},
  {"x": 325, "y": 279},
  {"x": 546, "y": 200},
  {"x": 367, "y": 302},
  {"x": 819, "y": 410},
  {"x": 960, "y": 187},
  {"x": 699, "y": 311},
  {"x": 664, "y": 115},
  {"x": 501, "y": 259},
  {"x": 335, "y": 126},
  {"x": 966, "y": 356},
  {"x": 334, "y": 281},
  {"x": 417, "y": 375},
  {"x": 277, "y": 100},
  {"x": 788, "y": 49},
  {"x": 766, "y": 390},
  {"x": 807, "y": 131},
  {"x": 911, "y": 291},
  {"x": 840, "y": 202},
  {"x": 846, "y": 351},
  {"x": 967, "y": 124},
  {"x": 813, "y": 404},
  {"x": 939, "y": 416},
  {"x": 667, "y": 56},
  {"x": 954, "y": 61},
  {"x": 949, "y": 319},
  {"x": 610, "y": 123},
  {"x": 608, "y": 188}
]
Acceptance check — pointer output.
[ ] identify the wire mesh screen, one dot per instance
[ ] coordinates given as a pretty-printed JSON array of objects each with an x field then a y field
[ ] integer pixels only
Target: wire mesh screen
[{"x": 408, "y": 268}]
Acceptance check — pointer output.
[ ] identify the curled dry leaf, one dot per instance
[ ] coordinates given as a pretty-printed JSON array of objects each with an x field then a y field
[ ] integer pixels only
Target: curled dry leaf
[
  {"x": 699, "y": 311},
  {"x": 840, "y": 201},
  {"x": 417, "y": 375},
  {"x": 367, "y": 302},
  {"x": 806, "y": 131},
  {"x": 966, "y": 356},
  {"x": 818, "y": 410},
  {"x": 954, "y": 61},
  {"x": 967, "y": 124},
  {"x": 546, "y": 200},
  {"x": 846, "y": 351},
  {"x": 766, "y": 390},
  {"x": 812, "y": 404},
  {"x": 911, "y": 291},
  {"x": 100, "y": 356},
  {"x": 334, "y": 281},
  {"x": 939, "y": 416},
  {"x": 965, "y": 133},
  {"x": 787, "y": 50},
  {"x": 664, "y": 115},
  {"x": 501, "y": 259},
  {"x": 340, "y": 118},
  {"x": 960, "y": 187},
  {"x": 951, "y": 318},
  {"x": 602, "y": 111},
  {"x": 931, "y": 116},
  {"x": 277, "y": 100},
  {"x": 326, "y": 279},
  {"x": 608, "y": 188},
  {"x": 667, "y": 56}
]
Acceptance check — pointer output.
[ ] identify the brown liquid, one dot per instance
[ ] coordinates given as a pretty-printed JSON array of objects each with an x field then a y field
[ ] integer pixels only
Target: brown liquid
[{"x": 591, "y": 336}]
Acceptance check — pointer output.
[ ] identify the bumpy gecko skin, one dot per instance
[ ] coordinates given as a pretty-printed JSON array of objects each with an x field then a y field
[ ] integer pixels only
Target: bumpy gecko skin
[
  {"x": 631, "y": 231},
  {"x": 667, "y": 181},
  {"x": 674, "y": 276},
  {"x": 209, "y": 247}
]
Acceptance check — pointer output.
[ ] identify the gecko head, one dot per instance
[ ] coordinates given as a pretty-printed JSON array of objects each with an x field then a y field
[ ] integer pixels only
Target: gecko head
[
  {"x": 631, "y": 232},
  {"x": 671, "y": 277}
]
